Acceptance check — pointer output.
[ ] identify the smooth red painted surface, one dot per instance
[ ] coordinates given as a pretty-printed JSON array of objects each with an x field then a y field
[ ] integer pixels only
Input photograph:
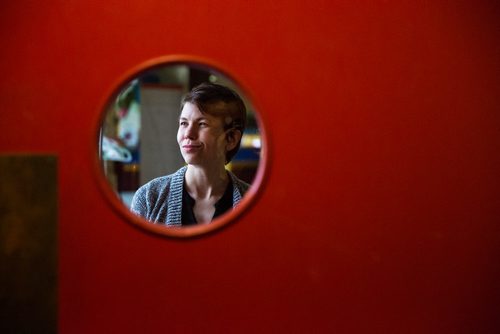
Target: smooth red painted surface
[{"x": 381, "y": 207}]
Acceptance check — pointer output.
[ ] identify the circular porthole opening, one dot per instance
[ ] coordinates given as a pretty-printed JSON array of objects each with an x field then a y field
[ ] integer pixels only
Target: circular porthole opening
[{"x": 180, "y": 147}]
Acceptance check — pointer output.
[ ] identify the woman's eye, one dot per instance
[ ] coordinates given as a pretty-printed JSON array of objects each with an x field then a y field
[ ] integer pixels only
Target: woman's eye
[
  {"x": 183, "y": 123},
  {"x": 203, "y": 124}
]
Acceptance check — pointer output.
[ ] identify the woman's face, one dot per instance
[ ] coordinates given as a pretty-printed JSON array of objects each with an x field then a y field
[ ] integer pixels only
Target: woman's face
[{"x": 201, "y": 137}]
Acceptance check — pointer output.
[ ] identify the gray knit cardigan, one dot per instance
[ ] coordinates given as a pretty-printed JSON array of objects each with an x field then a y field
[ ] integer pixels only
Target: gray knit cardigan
[{"x": 160, "y": 200}]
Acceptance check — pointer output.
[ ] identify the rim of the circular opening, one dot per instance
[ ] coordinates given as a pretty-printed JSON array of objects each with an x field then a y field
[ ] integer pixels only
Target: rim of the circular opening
[{"x": 189, "y": 231}]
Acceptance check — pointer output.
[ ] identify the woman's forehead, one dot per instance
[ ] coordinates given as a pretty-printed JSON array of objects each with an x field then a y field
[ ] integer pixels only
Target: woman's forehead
[{"x": 190, "y": 110}]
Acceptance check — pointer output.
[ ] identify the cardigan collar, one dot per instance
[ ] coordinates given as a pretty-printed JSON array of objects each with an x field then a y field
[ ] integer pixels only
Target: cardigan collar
[{"x": 174, "y": 210}]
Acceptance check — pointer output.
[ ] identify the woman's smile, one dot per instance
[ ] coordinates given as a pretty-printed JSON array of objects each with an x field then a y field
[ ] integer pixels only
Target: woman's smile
[{"x": 189, "y": 148}]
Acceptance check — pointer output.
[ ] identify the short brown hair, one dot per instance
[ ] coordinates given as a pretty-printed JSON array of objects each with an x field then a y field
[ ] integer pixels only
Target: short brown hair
[{"x": 220, "y": 101}]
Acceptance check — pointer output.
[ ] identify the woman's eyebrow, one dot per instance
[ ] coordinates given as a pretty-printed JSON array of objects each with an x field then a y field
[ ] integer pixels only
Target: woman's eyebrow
[{"x": 195, "y": 120}]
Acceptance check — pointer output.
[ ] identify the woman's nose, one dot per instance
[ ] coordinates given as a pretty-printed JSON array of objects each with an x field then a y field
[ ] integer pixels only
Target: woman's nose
[{"x": 190, "y": 132}]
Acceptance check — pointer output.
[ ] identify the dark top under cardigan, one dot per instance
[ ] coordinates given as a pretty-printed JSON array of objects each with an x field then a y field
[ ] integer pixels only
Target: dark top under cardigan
[{"x": 160, "y": 200}]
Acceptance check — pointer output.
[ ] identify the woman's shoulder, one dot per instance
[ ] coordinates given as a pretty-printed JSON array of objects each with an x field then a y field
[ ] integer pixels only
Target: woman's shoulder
[
  {"x": 153, "y": 188},
  {"x": 159, "y": 182},
  {"x": 241, "y": 185},
  {"x": 153, "y": 195},
  {"x": 162, "y": 183}
]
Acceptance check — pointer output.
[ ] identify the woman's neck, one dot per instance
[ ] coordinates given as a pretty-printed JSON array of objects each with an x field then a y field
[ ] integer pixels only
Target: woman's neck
[{"x": 203, "y": 183}]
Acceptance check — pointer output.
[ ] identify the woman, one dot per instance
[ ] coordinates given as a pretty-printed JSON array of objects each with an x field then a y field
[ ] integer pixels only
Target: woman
[{"x": 211, "y": 125}]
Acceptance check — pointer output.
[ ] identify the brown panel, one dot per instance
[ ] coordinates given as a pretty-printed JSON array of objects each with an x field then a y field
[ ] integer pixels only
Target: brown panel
[{"x": 28, "y": 241}]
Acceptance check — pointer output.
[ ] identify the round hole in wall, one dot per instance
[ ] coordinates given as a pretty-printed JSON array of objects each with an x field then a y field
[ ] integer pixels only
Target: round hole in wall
[{"x": 181, "y": 147}]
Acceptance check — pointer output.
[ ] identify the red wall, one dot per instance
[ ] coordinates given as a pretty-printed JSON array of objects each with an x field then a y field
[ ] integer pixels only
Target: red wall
[{"x": 380, "y": 208}]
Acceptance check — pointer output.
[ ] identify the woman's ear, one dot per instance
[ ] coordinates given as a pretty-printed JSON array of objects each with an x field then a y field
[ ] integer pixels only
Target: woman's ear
[{"x": 233, "y": 137}]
